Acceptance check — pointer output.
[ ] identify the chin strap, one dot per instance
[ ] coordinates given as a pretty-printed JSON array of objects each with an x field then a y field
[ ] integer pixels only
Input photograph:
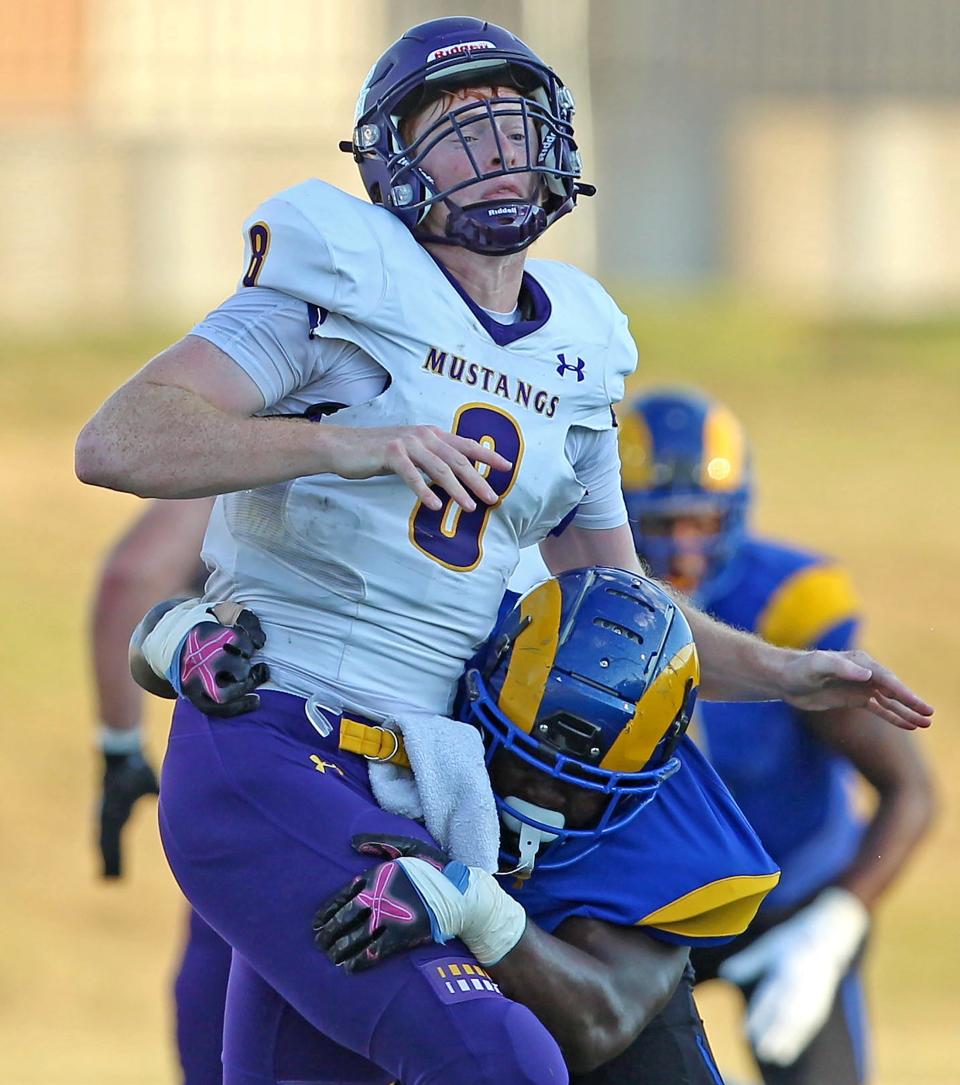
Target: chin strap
[{"x": 530, "y": 837}]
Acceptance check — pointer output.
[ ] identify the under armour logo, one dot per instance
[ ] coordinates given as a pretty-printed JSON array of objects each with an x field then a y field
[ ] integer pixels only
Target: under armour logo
[
  {"x": 564, "y": 366},
  {"x": 321, "y": 766}
]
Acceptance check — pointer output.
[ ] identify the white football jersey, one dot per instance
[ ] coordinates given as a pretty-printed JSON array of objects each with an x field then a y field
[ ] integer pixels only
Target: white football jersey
[{"x": 357, "y": 584}]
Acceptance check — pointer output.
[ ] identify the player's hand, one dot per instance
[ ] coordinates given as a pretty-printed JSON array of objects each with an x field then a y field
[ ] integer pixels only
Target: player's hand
[
  {"x": 380, "y": 913},
  {"x": 421, "y": 456},
  {"x": 819, "y": 680},
  {"x": 215, "y": 669},
  {"x": 799, "y": 964},
  {"x": 414, "y": 897},
  {"x": 127, "y": 777}
]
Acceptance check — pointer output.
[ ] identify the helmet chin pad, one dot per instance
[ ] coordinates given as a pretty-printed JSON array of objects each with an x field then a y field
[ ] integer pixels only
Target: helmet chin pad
[
  {"x": 530, "y": 836},
  {"x": 491, "y": 227}
]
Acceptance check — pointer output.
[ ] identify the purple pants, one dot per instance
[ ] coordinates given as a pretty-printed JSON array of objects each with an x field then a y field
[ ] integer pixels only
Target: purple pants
[
  {"x": 256, "y": 815},
  {"x": 200, "y": 990}
]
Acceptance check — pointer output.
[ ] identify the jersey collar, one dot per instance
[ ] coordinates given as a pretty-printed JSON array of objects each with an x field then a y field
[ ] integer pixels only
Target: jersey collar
[{"x": 505, "y": 334}]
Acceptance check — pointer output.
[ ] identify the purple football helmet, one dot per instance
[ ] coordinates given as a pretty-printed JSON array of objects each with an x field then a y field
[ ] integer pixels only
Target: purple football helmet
[{"x": 447, "y": 54}]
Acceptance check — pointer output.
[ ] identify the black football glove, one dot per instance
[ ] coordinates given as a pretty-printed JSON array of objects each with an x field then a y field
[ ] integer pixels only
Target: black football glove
[
  {"x": 126, "y": 778},
  {"x": 379, "y": 913},
  {"x": 215, "y": 670}
]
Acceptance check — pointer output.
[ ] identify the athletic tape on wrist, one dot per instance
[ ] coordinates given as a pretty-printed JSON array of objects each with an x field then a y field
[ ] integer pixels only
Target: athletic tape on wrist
[
  {"x": 473, "y": 908},
  {"x": 161, "y": 646},
  {"x": 493, "y": 921}
]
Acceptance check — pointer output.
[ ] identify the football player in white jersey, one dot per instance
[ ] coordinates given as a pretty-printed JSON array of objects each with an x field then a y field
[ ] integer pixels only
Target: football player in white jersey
[{"x": 452, "y": 402}]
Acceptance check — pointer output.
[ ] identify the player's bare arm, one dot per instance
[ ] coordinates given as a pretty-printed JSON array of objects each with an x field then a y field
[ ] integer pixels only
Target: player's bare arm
[
  {"x": 157, "y": 556},
  {"x": 594, "y": 985},
  {"x": 738, "y": 666},
  {"x": 620, "y": 976},
  {"x": 185, "y": 426},
  {"x": 796, "y": 967},
  {"x": 906, "y": 801}
]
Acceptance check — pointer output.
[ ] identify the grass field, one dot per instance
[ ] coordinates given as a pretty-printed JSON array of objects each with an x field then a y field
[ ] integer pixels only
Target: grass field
[{"x": 854, "y": 427}]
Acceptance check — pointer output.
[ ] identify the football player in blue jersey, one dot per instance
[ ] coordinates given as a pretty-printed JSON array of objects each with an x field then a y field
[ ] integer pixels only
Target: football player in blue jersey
[
  {"x": 157, "y": 556},
  {"x": 688, "y": 487},
  {"x": 444, "y": 425}
]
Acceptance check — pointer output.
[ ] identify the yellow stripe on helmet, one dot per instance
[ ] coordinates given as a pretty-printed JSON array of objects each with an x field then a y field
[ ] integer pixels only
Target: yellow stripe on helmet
[
  {"x": 636, "y": 450},
  {"x": 533, "y": 655},
  {"x": 724, "y": 451},
  {"x": 655, "y": 711}
]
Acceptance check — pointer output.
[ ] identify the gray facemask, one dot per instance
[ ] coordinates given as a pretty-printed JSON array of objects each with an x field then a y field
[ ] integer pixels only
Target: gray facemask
[{"x": 530, "y": 837}]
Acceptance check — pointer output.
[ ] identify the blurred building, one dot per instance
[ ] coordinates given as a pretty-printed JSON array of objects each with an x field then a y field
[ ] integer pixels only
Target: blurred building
[{"x": 809, "y": 151}]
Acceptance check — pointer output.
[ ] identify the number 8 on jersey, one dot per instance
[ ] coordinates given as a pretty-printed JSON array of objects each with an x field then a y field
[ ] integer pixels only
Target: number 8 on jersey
[{"x": 450, "y": 535}]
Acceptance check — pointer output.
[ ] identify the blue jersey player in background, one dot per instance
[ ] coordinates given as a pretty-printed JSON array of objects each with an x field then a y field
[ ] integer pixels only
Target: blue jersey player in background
[{"x": 688, "y": 488}]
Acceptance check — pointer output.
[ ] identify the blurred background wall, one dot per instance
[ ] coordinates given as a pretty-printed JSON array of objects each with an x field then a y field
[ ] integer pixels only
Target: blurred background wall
[
  {"x": 779, "y": 213},
  {"x": 808, "y": 151}
]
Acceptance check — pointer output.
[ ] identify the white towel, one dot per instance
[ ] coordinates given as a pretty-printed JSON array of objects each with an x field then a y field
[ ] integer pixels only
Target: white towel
[{"x": 448, "y": 788}]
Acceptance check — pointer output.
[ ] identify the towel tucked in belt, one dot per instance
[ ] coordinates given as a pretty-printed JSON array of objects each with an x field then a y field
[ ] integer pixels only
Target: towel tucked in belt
[{"x": 448, "y": 788}]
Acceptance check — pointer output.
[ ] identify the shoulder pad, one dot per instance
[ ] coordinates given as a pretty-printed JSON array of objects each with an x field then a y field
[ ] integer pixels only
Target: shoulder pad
[
  {"x": 321, "y": 245},
  {"x": 807, "y": 604},
  {"x": 599, "y": 319}
]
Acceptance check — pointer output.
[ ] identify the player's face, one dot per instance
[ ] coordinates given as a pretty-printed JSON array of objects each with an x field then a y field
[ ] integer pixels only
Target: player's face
[
  {"x": 494, "y": 141},
  {"x": 690, "y": 534},
  {"x": 580, "y": 807}
]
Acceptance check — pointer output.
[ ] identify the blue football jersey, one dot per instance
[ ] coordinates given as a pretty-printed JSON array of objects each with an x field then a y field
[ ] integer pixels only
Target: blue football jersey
[
  {"x": 687, "y": 869},
  {"x": 796, "y": 792}
]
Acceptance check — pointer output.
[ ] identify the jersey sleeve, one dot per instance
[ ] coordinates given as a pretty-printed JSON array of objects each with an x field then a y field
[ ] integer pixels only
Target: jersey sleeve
[
  {"x": 688, "y": 869},
  {"x": 267, "y": 334},
  {"x": 318, "y": 244},
  {"x": 816, "y": 606},
  {"x": 596, "y": 460},
  {"x": 619, "y": 361}
]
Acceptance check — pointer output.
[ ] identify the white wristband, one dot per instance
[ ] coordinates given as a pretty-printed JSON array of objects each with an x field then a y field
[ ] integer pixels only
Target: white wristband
[
  {"x": 488, "y": 920},
  {"x": 114, "y": 740},
  {"x": 161, "y": 643}
]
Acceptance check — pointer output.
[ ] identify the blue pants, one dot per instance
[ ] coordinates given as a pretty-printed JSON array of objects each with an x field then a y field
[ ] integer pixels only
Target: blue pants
[{"x": 256, "y": 815}]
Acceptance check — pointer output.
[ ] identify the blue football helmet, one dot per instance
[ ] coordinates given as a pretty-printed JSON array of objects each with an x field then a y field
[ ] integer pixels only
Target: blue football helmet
[
  {"x": 446, "y": 54},
  {"x": 684, "y": 454},
  {"x": 591, "y": 678}
]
